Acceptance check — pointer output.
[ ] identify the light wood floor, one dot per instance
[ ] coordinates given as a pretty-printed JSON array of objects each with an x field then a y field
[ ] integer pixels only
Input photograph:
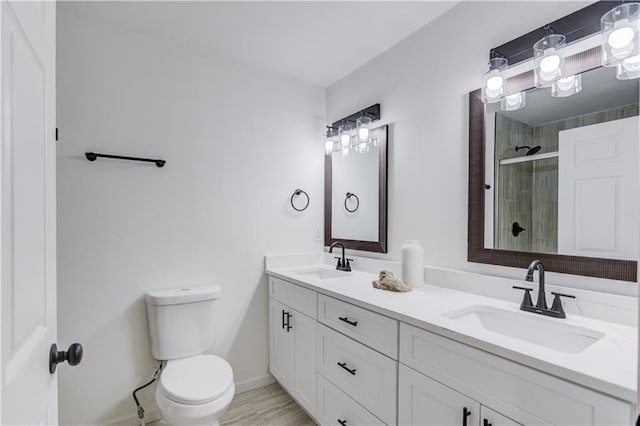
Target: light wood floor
[{"x": 266, "y": 406}]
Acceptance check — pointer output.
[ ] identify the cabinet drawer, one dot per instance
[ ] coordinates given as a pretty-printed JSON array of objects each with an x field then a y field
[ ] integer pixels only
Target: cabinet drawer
[
  {"x": 295, "y": 296},
  {"x": 523, "y": 394},
  {"x": 366, "y": 375},
  {"x": 335, "y": 406},
  {"x": 374, "y": 330}
]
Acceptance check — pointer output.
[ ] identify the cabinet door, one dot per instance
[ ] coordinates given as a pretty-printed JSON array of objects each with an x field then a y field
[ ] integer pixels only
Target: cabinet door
[
  {"x": 425, "y": 402},
  {"x": 280, "y": 343},
  {"x": 493, "y": 418},
  {"x": 304, "y": 360}
]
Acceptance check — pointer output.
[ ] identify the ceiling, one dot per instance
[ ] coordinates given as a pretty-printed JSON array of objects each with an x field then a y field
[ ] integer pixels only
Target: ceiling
[{"x": 317, "y": 42}]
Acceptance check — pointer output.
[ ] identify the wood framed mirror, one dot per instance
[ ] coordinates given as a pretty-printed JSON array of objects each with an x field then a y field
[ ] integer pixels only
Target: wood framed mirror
[
  {"x": 491, "y": 238},
  {"x": 355, "y": 196}
]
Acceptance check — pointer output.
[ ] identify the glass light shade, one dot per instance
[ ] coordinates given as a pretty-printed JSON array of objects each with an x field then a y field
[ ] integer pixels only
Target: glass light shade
[
  {"x": 363, "y": 147},
  {"x": 328, "y": 147},
  {"x": 629, "y": 68},
  {"x": 344, "y": 133},
  {"x": 363, "y": 125},
  {"x": 494, "y": 85},
  {"x": 513, "y": 102},
  {"x": 620, "y": 29},
  {"x": 548, "y": 60},
  {"x": 567, "y": 86}
]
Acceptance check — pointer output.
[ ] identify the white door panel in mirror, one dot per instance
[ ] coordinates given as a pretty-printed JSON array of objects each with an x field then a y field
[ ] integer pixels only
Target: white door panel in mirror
[{"x": 524, "y": 186}]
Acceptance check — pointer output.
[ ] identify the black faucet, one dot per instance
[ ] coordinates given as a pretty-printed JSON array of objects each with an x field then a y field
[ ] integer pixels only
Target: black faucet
[
  {"x": 343, "y": 263},
  {"x": 556, "y": 310}
]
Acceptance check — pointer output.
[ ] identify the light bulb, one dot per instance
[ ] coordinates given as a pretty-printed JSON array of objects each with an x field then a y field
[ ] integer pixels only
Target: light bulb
[
  {"x": 494, "y": 83},
  {"x": 567, "y": 86},
  {"x": 345, "y": 139},
  {"x": 328, "y": 147},
  {"x": 621, "y": 37},
  {"x": 363, "y": 133},
  {"x": 550, "y": 64}
]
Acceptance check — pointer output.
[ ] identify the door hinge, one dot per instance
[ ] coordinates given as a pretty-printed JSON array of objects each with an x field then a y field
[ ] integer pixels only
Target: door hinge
[{"x": 57, "y": 134}]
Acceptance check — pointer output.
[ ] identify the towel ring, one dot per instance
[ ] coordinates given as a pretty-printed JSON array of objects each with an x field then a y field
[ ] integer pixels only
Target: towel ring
[
  {"x": 296, "y": 193},
  {"x": 349, "y": 195}
]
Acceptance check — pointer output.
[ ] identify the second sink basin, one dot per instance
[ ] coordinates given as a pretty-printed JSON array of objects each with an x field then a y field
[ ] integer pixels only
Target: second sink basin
[
  {"x": 320, "y": 273},
  {"x": 528, "y": 327}
]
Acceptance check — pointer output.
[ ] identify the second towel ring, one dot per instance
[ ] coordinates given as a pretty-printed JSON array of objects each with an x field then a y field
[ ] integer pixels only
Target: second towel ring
[
  {"x": 296, "y": 193},
  {"x": 349, "y": 195}
]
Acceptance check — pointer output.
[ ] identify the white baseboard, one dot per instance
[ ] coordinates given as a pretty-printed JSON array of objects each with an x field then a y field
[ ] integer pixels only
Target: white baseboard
[{"x": 254, "y": 383}]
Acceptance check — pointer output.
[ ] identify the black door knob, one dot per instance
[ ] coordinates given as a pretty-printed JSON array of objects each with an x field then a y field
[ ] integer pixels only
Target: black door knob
[{"x": 73, "y": 356}]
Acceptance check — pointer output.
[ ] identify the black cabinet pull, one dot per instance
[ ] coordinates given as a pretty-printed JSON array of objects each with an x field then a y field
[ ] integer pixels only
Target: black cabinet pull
[
  {"x": 344, "y": 365},
  {"x": 485, "y": 422},
  {"x": 465, "y": 413},
  {"x": 288, "y": 324},
  {"x": 345, "y": 319},
  {"x": 342, "y": 422}
]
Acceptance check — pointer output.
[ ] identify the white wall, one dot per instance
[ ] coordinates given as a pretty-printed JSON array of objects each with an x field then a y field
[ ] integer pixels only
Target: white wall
[
  {"x": 237, "y": 142},
  {"x": 422, "y": 84}
]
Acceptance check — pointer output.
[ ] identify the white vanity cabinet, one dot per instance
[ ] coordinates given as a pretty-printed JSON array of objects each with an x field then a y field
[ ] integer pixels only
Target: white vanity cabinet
[
  {"x": 349, "y": 366},
  {"x": 508, "y": 392},
  {"x": 292, "y": 341}
]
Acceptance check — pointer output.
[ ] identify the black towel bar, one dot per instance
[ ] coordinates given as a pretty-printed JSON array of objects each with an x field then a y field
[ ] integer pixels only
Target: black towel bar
[{"x": 93, "y": 156}]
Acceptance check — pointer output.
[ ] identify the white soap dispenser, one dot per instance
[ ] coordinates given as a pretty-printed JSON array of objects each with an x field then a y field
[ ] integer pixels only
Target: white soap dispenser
[{"x": 411, "y": 261}]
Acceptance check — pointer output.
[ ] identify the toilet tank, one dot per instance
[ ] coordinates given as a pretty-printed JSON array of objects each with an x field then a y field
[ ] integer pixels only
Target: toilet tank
[{"x": 181, "y": 321}]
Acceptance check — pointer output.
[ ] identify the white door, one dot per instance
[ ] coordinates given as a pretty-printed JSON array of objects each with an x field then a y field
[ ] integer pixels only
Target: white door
[
  {"x": 598, "y": 191},
  {"x": 28, "y": 392},
  {"x": 425, "y": 402}
]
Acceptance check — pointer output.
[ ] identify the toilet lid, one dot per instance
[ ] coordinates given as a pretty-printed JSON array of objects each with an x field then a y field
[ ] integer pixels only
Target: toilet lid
[{"x": 196, "y": 380}]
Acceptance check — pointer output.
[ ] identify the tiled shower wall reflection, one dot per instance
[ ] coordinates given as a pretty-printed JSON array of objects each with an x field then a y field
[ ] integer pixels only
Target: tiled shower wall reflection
[{"x": 527, "y": 192}]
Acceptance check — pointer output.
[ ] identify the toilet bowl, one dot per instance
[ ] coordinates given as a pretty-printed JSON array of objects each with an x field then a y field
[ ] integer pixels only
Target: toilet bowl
[{"x": 195, "y": 390}]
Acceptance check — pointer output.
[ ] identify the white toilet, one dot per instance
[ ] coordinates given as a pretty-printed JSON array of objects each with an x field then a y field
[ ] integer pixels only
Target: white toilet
[{"x": 194, "y": 388}]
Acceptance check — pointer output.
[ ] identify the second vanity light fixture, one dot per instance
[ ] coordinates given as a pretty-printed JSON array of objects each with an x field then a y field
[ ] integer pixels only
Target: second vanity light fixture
[
  {"x": 352, "y": 133},
  {"x": 620, "y": 32}
]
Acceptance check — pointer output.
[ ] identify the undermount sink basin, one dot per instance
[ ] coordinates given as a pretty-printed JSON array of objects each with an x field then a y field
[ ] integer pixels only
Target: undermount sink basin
[
  {"x": 532, "y": 328},
  {"x": 321, "y": 274}
]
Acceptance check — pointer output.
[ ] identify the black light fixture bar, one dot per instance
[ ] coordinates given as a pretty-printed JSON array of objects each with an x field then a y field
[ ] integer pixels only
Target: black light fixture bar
[
  {"x": 577, "y": 25},
  {"x": 372, "y": 112},
  {"x": 93, "y": 156}
]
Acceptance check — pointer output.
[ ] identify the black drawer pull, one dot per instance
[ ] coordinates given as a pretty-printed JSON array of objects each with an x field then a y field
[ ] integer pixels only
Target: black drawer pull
[
  {"x": 344, "y": 365},
  {"x": 485, "y": 422},
  {"x": 345, "y": 319},
  {"x": 342, "y": 422},
  {"x": 465, "y": 413}
]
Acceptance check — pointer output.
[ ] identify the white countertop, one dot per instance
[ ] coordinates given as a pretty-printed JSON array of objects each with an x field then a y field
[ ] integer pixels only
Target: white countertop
[{"x": 608, "y": 365}]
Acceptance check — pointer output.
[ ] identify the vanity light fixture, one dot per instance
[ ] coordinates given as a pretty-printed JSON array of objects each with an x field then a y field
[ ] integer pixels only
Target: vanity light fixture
[
  {"x": 513, "y": 102},
  {"x": 548, "y": 59},
  {"x": 493, "y": 81},
  {"x": 353, "y": 132},
  {"x": 567, "y": 86},
  {"x": 620, "y": 29}
]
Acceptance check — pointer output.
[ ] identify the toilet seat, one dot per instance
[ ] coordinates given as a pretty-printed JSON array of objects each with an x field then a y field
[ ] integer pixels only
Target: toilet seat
[{"x": 196, "y": 380}]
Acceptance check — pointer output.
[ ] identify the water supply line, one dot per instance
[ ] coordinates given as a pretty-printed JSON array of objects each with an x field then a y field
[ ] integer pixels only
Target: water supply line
[{"x": 154, "y": 377}]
